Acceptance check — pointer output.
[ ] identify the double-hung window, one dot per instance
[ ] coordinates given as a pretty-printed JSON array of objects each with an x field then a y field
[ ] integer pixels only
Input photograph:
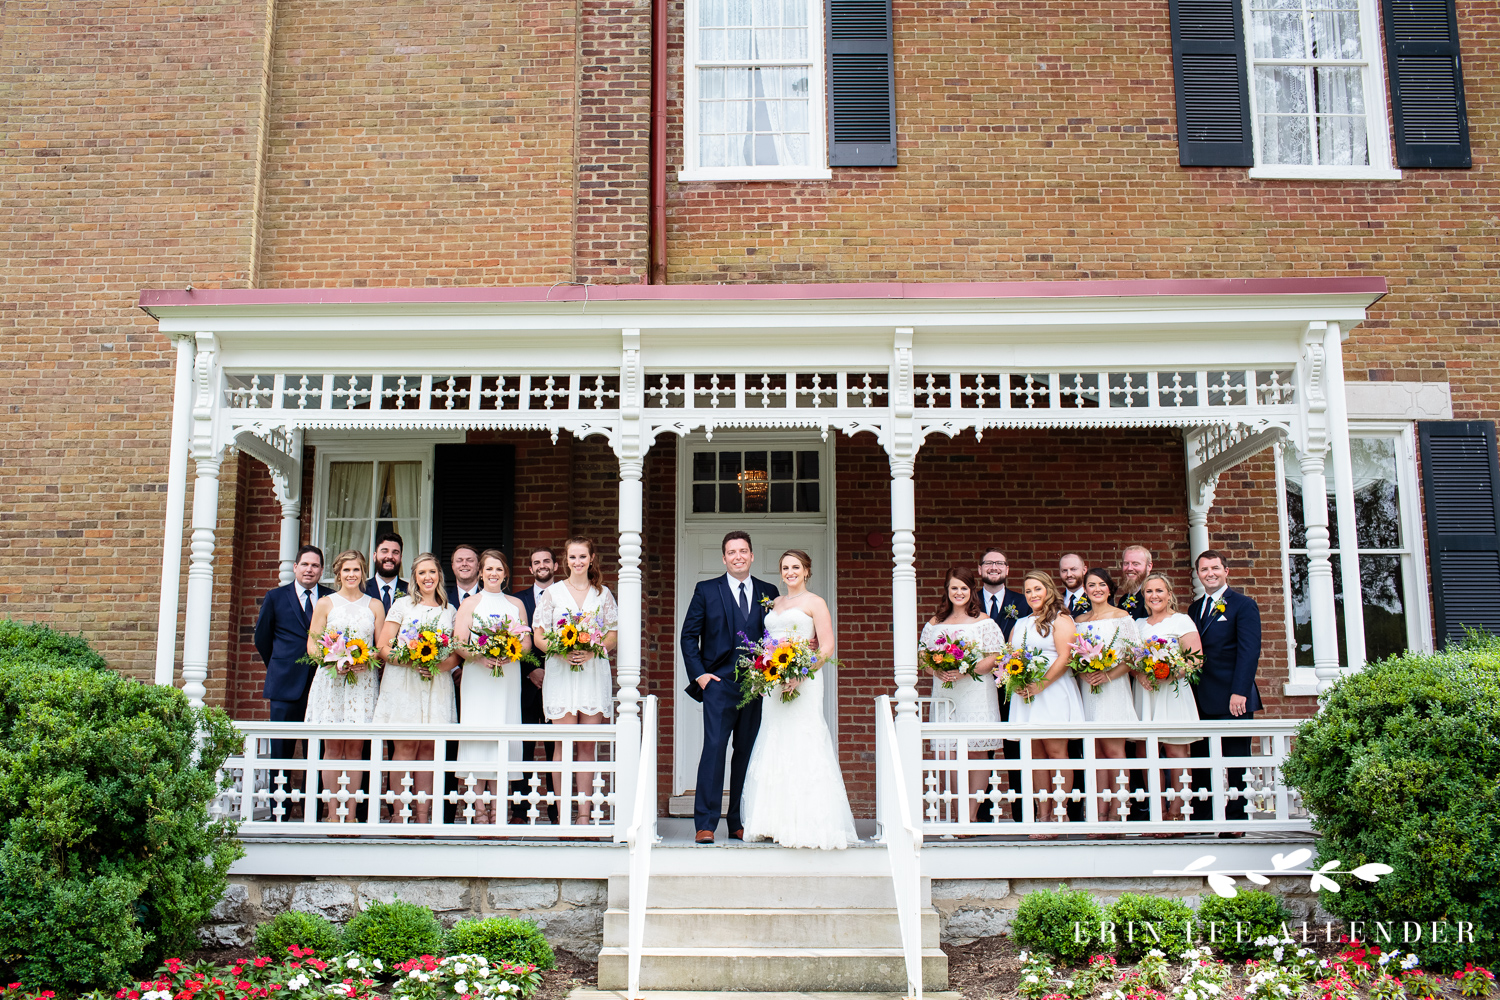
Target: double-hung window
[{"x": 754, "y": 90}]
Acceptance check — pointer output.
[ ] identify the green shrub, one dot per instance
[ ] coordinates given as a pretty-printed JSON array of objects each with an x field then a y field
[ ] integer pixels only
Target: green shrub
[
  {"x": 500, "y": 939},
  {"x": 305, "y": 930},
  {"x": 1230, "y": 926},
  {"x": 109, "y": 861},
  {"x": 1402, "y": 767},
  {"x": 1062, "y": 923},
  {"x": 394, "y": 932},
  {"x": 1146, "y": 922}
]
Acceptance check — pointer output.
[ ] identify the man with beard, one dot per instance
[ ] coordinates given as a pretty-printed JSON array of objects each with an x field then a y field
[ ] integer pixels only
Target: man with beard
[
  {"x": 386, "y": 585},
  {"x": 1135, "y": 566},
  {"x": 1004, "y": 606},
  {"x": 543, "y": 573},
  {"x": 1071, "y": 569}
]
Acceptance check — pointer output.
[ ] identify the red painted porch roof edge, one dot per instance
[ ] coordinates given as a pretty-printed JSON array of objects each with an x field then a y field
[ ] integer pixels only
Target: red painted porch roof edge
[{"x": 1133, "y": 288}]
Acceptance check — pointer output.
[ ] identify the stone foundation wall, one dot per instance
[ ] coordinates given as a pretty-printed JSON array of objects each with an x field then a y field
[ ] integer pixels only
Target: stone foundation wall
[
  {"x": 969, "y": 909},
  {"x": 570, "y": 912}
]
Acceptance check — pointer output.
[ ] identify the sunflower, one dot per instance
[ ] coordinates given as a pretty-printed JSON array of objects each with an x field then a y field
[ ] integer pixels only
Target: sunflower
[
  {"x": 784, "y": 656},
  {"x": 771, "y": 675},
  {"x": 513, "y": 648},
  {"x": 1014, "y": 667},
  {"x": 568, "y": 635},
  {"x": 1108, "y": 658},
  {"x": 425, "y": 651},
  {"x": 359, "y": 653}
]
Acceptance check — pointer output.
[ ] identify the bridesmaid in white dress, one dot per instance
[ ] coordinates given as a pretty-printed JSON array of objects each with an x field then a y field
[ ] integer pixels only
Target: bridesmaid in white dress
[
  {"x": 489, "y": 700},
  {"x": 417, "y": 694},
  {"x": 578, "y": 688},
  {"x": 1107, "y": 696},
  {"x": 794, "y": 790},
  {"x": 1166, "y": 705},
  {"x": 332, "y": 698},
  {"x": 960, "y": 613},
  {"x": 1055, "y": 698}
]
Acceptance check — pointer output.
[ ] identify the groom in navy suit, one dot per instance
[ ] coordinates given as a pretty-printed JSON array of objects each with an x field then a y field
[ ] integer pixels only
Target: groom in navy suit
[
  {"x": 1229, "y": 625},
  {"x": 721, "y": 609},
  {"x": 281, "y": 640}
]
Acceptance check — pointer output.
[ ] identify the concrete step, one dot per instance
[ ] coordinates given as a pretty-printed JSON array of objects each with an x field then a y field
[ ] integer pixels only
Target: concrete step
[
  {"x": 776, "y": 892},
  {"x": 769, "y": 928},
  {"x": 772, "y": 970}
]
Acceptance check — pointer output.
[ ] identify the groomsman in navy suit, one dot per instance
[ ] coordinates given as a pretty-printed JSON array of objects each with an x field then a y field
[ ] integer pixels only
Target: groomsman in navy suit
[
  {"x": 281, "y": 640},
  {"x": 1229, "y": 624},
  {"x": 1004, "y": 606},
  {"x": 720, "y": 610},
  {"x": 1071, "y": 569},
  {"x": 386, "y": 585}
]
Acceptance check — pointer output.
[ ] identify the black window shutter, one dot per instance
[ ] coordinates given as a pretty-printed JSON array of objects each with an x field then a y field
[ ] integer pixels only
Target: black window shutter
[
  {"x": 1427, "y": 83},
  {"x": 1461, "y": 488},
  {"x": 861, "y": 84},
  {"x": 1213, "y": 96},
  {"x": 473, "y": 500}
]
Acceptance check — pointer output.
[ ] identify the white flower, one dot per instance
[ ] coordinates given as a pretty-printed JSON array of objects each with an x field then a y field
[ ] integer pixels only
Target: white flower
[
  {"x": 1156, "y": 953},
  {"x": 353, "y": 962},
  {"x": 1212, "y": 988},
  {"x": 1277, "y": 952},
  {"x": 508, "y": 987},
  {"x": 1024, "y": 956},
  {"x": 460, "y": 968},
  {"x": 461, "y": 986},
  {"x": 1409, "y": 962},
  {"x": 1032, "y": 979},
  {"x": 1190, "y": 995},
  {"x": 298, "y": 982}
]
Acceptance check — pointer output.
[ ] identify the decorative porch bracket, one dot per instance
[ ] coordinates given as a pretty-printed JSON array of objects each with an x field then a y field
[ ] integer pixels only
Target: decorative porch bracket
[{"x": 1211, "y": 452}]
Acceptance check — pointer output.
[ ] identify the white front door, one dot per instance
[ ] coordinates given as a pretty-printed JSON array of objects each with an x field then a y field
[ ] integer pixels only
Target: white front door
[{"x": 773, "y": 528}]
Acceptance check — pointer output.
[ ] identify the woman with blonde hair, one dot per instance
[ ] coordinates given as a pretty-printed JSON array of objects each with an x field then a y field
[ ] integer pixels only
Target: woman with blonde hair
[
  {"x": 418, "y": 693},
  {"x": 1054, "y": 699},
  {"x": 1170, "y": 702}
]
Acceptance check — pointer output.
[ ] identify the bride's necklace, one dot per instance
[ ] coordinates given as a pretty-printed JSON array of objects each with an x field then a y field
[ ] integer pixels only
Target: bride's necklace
[{"x": 580, "y": 594}]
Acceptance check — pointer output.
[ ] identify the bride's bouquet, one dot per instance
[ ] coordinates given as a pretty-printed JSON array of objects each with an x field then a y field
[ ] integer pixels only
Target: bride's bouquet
[
  {"x": 499, "y": 638},
  {"x": 576, "y": 630},
  {"x": 422, "y": 643},
  {"x": 1090, "y": 657},
  {"x": 769, "y": 664},
  {"x": 341, "y": 652},
  {"x": 1161, "y": 660},
  {"x": 950, "y": 652},
  {"x": 1020, "y": 667}
]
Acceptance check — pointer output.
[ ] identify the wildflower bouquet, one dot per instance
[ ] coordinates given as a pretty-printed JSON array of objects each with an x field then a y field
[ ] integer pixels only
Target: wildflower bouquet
[
  {"x": 422, "y": 643},
  {"x": 1021, "y": 667},
  {"x": 342, "y": 653},
  {"x": 1090, "y": 657},
  {"x": 498, "y": 638},
  {"x": 950, "y": 652},
  {"x": 574, "y": 631},
  {"x": 1161, "y": 660},
  {"x": 768, "y": 665}
]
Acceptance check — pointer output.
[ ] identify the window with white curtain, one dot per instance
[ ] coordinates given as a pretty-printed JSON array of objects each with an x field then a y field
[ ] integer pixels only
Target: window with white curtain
[
  {"x": 1317, "y": 94},
  {"x": 361, "y": 499},
  {"x": 754, "y": 106}
]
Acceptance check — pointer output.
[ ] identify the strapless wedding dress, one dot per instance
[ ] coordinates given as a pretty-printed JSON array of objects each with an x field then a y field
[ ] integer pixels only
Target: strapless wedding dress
[{"x": 794, "y": 791}]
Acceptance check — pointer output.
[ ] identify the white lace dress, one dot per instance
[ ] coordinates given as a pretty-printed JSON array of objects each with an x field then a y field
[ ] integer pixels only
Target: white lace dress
[
  {"x": 1059, "y": 701},
  {"x": 405, "y": 698},
  {"x": 1113, "y": 700},
  {"x": 794, "y": 790},
  {"x": 973, "y": 698},
  {"x": 1166, "y": 705},
  {"x": 489, "y": 700},
  {"x": 331, "y": 699},
  {"x": 589, "y": 690}
]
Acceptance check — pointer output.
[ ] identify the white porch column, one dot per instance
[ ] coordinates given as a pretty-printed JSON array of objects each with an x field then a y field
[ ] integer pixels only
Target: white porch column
[
  {"x": 901, "y": 446},
  {"x": 1311, "y": 455},
  {"x": 630, "y": 450},
  {"x": 171, "y": 544},
  {"x": 1343, "y": 496},
  {"x": 291, "y": 534},
  {"x": 205, "y": 520},
  {"x": 1200, "y": 502}
]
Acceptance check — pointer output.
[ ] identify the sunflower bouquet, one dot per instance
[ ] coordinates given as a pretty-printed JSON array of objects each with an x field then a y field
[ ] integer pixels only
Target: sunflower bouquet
[
  {"x": 574, "y": 631},
  {"x": 1020, "y": 667},
  {"x": 345, "y": 654},
  {"x": 1094, "y": 657},
  {"x": 950, "y": 652},
  {"x": 1160, "y": 660},
  {"x": 498, "y": 638},
  {"x": 768, "y": 665},
  {"x": 422, "y": 644}
]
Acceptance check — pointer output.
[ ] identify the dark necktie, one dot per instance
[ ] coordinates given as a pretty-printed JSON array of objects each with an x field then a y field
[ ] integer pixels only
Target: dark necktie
[
  {"x": 307, "y": 603},
  {"x": 995, "y": 608},
  {"x": 1208, "y": 603},
  {"x": 744, "y": 602},
  {"x": 385, "y": 596}
]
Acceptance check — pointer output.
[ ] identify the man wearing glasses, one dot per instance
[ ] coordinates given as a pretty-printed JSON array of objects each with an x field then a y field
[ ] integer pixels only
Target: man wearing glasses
[{"x": 1004, "y": 606}]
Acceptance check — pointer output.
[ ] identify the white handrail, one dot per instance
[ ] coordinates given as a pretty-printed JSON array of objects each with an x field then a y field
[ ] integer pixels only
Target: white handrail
[
  {"x": 903, "y": 843},
  {"x": 641, "y": 837}
]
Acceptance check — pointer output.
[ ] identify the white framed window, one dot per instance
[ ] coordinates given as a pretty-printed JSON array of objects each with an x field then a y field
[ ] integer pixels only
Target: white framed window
[
  {"x": 362, "y": 489},
  {"x": 1317, "y": 93},
  {"x": 1388, "y": 543},
  {"x": 753, "y": 104}
]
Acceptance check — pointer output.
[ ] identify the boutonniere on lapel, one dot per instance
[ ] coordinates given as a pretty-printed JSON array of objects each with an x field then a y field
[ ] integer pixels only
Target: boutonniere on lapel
[
  {"x": 1011, "y": 611},
  {"x": 1082, "y": 606},
  {"x": 1129, "y": 603},
  {"x": 1219, "y": 606},
  {"x": 766, "y": 604},
  {"x": 397, "y": 594}
]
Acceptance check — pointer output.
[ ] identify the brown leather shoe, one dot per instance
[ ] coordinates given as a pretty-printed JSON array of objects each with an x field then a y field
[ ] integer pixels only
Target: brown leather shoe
[
  {"x": 737, "y": 834},
  {"x": 704, "y": 837}
]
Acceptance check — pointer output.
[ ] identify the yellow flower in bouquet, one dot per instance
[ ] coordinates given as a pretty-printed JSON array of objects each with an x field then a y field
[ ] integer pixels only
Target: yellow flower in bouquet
[{"x": 359, "y": 652}]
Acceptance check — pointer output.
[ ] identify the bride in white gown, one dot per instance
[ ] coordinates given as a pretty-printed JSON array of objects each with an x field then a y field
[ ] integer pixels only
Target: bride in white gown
[{"x": 794, "y": 791}]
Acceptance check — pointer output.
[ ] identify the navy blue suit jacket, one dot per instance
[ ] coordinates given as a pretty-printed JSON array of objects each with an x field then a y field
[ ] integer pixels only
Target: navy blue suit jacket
[
  {"x": 711, "y": 628},
  {"x": 1008, "y": 599},
  {"x": 281, "y": 640},
  {"x": 372, "y": 587},
  {"x": 1231, "y": 654}
]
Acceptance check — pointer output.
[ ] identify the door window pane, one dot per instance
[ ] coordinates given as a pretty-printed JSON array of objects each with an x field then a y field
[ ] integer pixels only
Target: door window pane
[
  {"x": 755, "y": 482},
  {"x": 1377, "y": 498},
  {"x": 347, "y": 524},
  {"x": 1380, "y": 580}
]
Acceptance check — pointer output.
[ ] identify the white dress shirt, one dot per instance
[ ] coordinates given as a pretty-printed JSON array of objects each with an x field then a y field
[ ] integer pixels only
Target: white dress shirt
[
  {"x": 734, "y": 590},
  {"x": 464, "y": 595}
]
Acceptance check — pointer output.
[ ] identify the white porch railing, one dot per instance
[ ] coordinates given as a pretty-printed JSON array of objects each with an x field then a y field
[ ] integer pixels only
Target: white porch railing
[
  {"x": 287, "y": 796},
  {"x": 641, "y": 837},
  {"x": 903, "y": 842},
  {"x": 1171, "y": 787}
]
